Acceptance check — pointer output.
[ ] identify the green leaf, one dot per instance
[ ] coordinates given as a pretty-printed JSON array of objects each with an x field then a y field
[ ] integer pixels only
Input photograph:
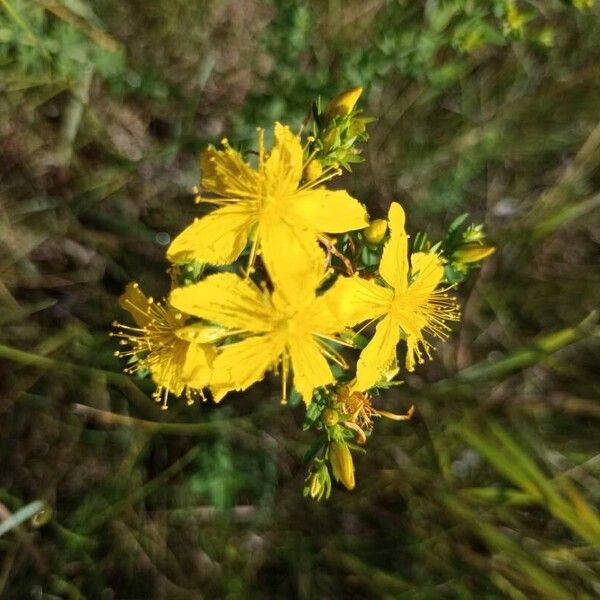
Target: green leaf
[{"x": 313, "y": 411}]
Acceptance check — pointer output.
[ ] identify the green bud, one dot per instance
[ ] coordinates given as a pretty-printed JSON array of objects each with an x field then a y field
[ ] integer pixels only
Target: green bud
[
  {"x": 318, "y": 482},
  {"x": 330, "y": 417}
]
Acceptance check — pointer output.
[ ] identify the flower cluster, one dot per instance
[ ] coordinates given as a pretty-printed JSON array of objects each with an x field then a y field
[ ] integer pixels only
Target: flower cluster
[{"x": 260, "y": 284}]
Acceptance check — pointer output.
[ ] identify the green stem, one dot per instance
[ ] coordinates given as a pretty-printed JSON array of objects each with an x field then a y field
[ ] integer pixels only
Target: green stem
[
  {"x": 529, "y": 355},
  {"x": 147, "y": 489},
  {"x": 45, "y": 363},
  {"x": 193, "y": 429}
]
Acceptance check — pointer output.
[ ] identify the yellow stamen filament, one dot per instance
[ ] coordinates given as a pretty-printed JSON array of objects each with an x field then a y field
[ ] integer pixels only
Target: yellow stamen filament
[
  {"x": 358, "y": 405},
  {"x": 153, "y": 343}
]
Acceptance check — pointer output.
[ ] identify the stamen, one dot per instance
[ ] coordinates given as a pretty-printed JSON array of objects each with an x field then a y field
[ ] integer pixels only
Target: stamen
[
  {"x": 328, "y": 173},
  {"x": 284, "y": 377},
  {"x": 252, "y": 257},
  {"x": 334, "y": 356},
  {"x": 335, "y": 340},
  {"x": 155, "y": 347}
]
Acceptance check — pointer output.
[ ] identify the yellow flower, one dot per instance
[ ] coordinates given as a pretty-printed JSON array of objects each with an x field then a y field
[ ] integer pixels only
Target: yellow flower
[
  {"x": 288, "y": 217},
  {"x": 177, "y": 365},
  {"x": 285, "y": 328},
  {"x": 408, "y": 301},
  {"x": 362, "y": 412}
]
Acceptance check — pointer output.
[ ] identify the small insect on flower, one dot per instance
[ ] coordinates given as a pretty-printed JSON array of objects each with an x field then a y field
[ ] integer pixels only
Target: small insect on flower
[{"x": 178, "y": 366}]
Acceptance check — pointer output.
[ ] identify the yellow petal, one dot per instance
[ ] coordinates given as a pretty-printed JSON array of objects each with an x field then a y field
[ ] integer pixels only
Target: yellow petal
[
  {"x": 283, "y": 169},
  {"x": 378, "y": 355},
  {"x": 355, "y": 300},
  {"x": 394, "y": 260},
  {"x": 135, "y": 302},
  {"x": 241, "y": 364},
  {"x": 217, "y": 238},
  {"x": 293, "y": 258},
  {"x": 196, "y": 370},
  {"x": 225, "y": 299},
  {"x": 321, "y": 317},
  {"x": 309, "y": 365},
  {"x": 329, "y": 211},
  {"x": 226, "y": 173},
  {"x": 427, "y": 272}
]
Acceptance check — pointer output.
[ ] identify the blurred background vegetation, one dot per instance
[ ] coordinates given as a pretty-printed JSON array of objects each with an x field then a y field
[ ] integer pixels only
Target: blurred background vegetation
[{"x": 491, "y": 491}]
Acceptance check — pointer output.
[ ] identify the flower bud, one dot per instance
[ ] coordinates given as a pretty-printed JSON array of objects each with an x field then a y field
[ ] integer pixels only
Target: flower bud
[
  {"x": 342, "y": 464},
  {"x": 473, "y": 233},
  {"x": 375, "y": 232},
  {"x": 318, "y": 482},
  {"x": 313, "y": 170},
  {"x": 330, "y": 417},
  {"x": 472, "y": 253},
  {"x": 343, "y": 103},
  {"x": 316, "y": 486}
]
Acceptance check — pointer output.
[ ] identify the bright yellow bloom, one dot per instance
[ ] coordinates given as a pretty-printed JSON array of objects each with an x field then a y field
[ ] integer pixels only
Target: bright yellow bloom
[
  {"x": 285, "y": 328},
  {"x": 288, "y": 217},
  {"x": 177, "y": 365},
  {"x": 408, "y": 301}
]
